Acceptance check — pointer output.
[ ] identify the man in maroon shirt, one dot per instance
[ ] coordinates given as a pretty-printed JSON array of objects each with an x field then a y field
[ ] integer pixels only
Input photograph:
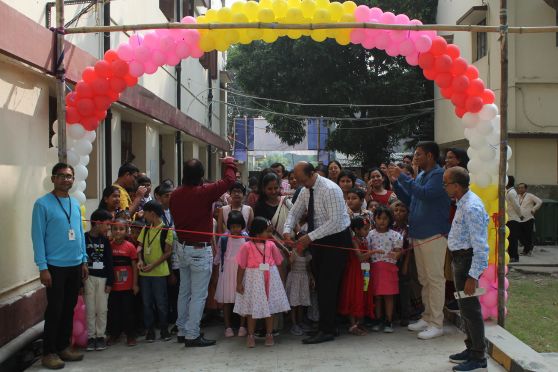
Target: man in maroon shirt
[{"x": 190, "y": 207}]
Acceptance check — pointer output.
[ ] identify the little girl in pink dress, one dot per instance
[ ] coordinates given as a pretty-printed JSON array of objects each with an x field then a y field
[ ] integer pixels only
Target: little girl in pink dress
[{"x": 260, "y": 291}]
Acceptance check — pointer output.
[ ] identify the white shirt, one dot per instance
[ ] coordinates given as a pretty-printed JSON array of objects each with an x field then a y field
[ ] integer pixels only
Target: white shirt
[
  {"x": 330, "y": 211},
  {"x": 529, "y": 204},
  {"x": 512, "y": 205}
]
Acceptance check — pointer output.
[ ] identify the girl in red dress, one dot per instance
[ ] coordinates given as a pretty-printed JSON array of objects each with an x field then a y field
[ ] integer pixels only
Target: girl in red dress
[
  {"x": 356, "y": 297},
  {"x": 378, "y": 188}
]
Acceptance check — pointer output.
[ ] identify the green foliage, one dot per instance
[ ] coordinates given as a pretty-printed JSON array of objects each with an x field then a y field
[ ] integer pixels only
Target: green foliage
[{"x": 309, "y": 72}]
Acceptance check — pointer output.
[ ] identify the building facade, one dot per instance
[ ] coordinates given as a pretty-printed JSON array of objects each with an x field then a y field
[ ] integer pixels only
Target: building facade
[
  {"x": 532, "y": 87},
  {"x": 175, "y": 114}
]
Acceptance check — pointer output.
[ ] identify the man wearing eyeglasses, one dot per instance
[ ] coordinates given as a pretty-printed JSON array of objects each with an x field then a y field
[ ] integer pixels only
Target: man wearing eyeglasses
[{"x": 59, "y": 247}]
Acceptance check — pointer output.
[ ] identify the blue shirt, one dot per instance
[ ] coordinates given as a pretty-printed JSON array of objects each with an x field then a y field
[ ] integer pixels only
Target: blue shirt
[
  {"x": 49, "y": 232},
  {"x": 428, "y": 203},
  {"x": 470, "y": 230}
]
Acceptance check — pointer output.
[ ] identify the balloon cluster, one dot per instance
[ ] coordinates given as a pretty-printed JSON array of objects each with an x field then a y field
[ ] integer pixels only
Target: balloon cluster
[
  {"x": 79, "y": 330},
  {"x": 276, "y": 11},
  {"x": 489, "y": 301}
]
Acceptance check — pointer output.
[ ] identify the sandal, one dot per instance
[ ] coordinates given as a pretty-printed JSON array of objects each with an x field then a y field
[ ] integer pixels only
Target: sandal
[
  {"x": 355, "y": 330},
  {"x": 250, "y": 341},
  {"x": 269, "y": 340}
]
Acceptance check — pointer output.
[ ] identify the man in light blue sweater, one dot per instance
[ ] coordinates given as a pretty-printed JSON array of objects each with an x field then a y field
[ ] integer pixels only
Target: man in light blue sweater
[
  {"x": 429, "y": 207},
  {"x": 59, "y": 246}
]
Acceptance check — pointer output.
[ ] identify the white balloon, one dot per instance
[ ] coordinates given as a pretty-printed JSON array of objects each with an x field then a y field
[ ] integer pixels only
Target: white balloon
[
  {"x": 474, "y": 165},
  {"x": 484, "y": 127},
  {"x": 472, "y": 178},
  {"x": 488, "y": 112},
  {"x": 477, "y": 141},
  {"x": 55, "y": 126},
  {"x": 73, "y": 158},
  {"x": 76, "y": 131},
  {"x": 81, "y": 186},
  {"x": 81, "y": 173},
  {"x": 493, "y": 138},
  {"x": 470, "y": 120},
  {"x": 84, "y": 160},
  {"x": 472, "y": 153},
  {"x": 483, "y": 179},
  {"x": 509, "y": 153},
  {"x": 80, "y": 196},
  {"x": 90, "y": 135},
  {"x": 468, "y": 133},
  {"x": 491, "y": 166},
  {"x": 83, "y": 147},
  {"x": 54, "y": 140}
]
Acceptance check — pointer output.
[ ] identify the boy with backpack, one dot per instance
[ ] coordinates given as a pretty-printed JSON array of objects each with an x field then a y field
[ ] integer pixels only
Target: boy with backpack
[{"x": 154, "y": 249}]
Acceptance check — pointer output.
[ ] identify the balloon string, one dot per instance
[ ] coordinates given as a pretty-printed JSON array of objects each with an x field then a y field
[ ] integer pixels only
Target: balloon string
[{"x": 212, "y": 234}]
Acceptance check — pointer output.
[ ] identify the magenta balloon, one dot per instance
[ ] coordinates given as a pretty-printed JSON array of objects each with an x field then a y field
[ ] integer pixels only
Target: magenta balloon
[
  {"x": 149, "y": 67},
  {"x": 483, "y": 283},
  {"x": 81, "y": 340},
  {"x": 136, "y": 69},
  {"x": 401, "y": 19},
  {"x": 192, "y": 36},
  {"x": 125, "y": 52},
  {"x": 398, "y": 36},
  {"x": 423, "y": 43},
  {"x": 376, "y": 13},
  {"x": 493, "y": 312},
  {"x": 362, "y": 13},
  {"x": 357, "y": 36}
]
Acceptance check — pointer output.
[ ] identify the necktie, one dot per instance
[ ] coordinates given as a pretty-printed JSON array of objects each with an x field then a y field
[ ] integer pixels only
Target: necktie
[{"x": 310, "y": 215}]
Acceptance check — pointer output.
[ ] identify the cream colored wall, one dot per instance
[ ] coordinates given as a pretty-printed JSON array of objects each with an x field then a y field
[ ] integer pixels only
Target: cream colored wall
[
  {"x": 116, "y": 140},
  {"x": 25, "y": 162},
  {"x": 534, "y": 161},
  {"x": 169, "y": 156},
  {"x": 152, "y": 153}
]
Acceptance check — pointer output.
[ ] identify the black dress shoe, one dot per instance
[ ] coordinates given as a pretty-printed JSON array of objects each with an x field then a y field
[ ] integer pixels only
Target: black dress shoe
[
  {"x": 181, "y": 339},
  {"x": 319, "y": 338},
  {"x": 199, "y": 342}
]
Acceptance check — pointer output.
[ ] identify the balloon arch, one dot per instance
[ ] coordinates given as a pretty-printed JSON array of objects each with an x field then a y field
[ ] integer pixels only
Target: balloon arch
[{"x": 459, "y": 81}]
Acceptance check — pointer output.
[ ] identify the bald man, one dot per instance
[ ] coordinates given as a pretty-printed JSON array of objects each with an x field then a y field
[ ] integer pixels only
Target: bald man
[
  {"x": 328, "y": 224},
  {"x": 467, "y": 242}
]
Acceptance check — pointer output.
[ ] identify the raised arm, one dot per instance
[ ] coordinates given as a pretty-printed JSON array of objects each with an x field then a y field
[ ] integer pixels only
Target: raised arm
[{"x": 296, "y": 212}]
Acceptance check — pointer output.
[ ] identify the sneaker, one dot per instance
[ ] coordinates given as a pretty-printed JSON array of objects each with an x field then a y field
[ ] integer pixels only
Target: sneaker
[
  {"x": 419, "y": 326},
  {"x": 296, "y": 330},
  {"x": 430, "y": 333},
  {"x": 165, "y": 334},
  {"x": 101, "y": 344},
  {"x": 131, "y": 341},
  {"x": 150, "y": 336},
  {"x": 460, "y": 357},
  {"x": 52, "y": 361},
  {"x": 269, "y": 340},
  {"x": 377, "y": 327},
  {"x": 453, "y": 306},
  {"x": 388, "y": 328},
  {"x": 471, "y": 365},
  {"x": 229, "y": 332},
  {"x": 242, "y": 332},
  {"x": 91, "y": 344},
  {"x": 70, "y": 355}
]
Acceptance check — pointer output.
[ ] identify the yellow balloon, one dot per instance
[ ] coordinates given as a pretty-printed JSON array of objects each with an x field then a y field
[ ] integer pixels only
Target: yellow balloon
[
  {"x": 343, "y": 38},
  {"x": 251, "y": 9},
  {"x": 270, "y": 36},
  {"x": 322, "y": 4},
  {"x": 306, "y": 32},
  {"x": 349, "y": 7},
  {"x": 293, "y": 15},
  {"x": 267, "y": 4},
  {"x": 347, "y": 18},
  {"x": 224, "y": 15},
  {"x": 211, "y": 15},
  {"x": 231, "y": 36},
  {"x": 506, "y": 244},
  {"x": 318, "y": 35},
  {"x": 321, "y": 16},
  {"x": 280, "y": 8},
  {"x": 238, "y": 7},
  {"x": 507, "y": 231},
  {"x": 294, "y": 34},
  {"x": 201, "y": 19},
  {"x": 207, "y": 44},
  {"x": 255, "y": 33},
  {"x": 221, "y": 45},
  {"x": 485, "y": 193},
  {"x": 507, "y": 258},
  {"x": 308, "y": 7},
  {"x": 240, "y": 18},
  {"x": 336, "y": 11},
  {"x": 266, "y": 15},
  {"x": 293, "y": 3},
  {"x": 243, "y": 37}
]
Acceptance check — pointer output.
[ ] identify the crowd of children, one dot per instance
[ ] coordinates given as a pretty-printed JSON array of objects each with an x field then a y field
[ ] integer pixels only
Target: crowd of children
[{"x": 134, "y": 276}]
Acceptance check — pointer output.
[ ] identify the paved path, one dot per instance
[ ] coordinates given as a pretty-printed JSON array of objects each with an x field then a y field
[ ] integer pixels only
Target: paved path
[
  {"x": 542, "y": 255},
  {"x": 400, "y": 351}
]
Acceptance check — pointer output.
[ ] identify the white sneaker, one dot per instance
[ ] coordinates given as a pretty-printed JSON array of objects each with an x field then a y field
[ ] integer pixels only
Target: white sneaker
[
  {"x": 419, "y": 326},
  {"x": 431, "y": 332}
]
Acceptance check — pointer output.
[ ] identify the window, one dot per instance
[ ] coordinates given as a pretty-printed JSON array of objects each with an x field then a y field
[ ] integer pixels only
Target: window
[
  {"x": 209, "y": 62},
  {"x": 126, "y": 142},
  {"x": 481, "y": 42},
  {"x": 167, "y": 7}
]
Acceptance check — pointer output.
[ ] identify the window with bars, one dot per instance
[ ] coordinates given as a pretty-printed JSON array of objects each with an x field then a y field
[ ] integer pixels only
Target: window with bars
[
  {"x": 126, "y": 142},
  {"x": 481, "y": 42}
]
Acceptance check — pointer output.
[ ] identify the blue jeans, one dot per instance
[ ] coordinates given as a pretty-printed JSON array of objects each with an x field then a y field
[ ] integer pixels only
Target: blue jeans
[
  {"x": 195, "y": 272},
  {"x": 154, "y": 294}
]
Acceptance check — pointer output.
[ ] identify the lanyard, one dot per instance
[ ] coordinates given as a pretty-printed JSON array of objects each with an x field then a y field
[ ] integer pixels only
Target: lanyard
[
  {"x": 68, "y": 216},
  {"x": 170, "y": 222},
  {"x": 153, "y": 239},
  {"x": 257, "y": 249}
]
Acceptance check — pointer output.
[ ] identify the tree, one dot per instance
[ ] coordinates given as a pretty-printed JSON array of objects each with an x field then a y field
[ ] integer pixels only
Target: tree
[{"x": 309, "y": 72}]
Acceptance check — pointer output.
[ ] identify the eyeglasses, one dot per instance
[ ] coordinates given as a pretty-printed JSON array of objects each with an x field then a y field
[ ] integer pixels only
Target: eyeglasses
[
  {"x": 447, "y": 184},
  {"x": 63, "y": 176}
]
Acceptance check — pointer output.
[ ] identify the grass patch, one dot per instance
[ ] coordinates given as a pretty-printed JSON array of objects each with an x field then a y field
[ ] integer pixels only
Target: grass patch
[{"x": 533, "y": 310}]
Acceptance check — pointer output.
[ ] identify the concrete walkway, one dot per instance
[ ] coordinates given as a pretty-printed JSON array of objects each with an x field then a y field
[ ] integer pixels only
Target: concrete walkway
[
  {"x": 400, "y": 351},
  {"x": 544, "y": 261}
]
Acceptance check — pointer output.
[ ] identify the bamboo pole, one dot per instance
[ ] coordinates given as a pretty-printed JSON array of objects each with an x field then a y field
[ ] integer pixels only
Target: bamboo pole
[
  {"x": 503, "y": 160},
  {"x": 60, "y": 82},
  {"x": 307, "y": 26}
]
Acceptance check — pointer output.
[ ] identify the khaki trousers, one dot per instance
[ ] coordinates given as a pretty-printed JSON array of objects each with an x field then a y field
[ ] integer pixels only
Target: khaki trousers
[
  {"x": 430, "y": 254},
  {"x": 96, "y": 302}
]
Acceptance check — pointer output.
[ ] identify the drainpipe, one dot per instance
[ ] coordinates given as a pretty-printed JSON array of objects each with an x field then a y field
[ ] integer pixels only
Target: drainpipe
[
  {"x": 108, "y": 119},
  {"x": 178, "y": 137}
]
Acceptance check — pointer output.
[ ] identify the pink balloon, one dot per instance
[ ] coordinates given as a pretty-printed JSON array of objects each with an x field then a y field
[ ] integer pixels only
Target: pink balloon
[
  {"x": 125, "y": 52},
  {"x": 362, "y": 13},
  {"x": 398, "y": 35},
  {"x": 506, "y": 285},
  {"x": 412, "y": 59},
  {"x": 182, "y": 50},
  {"x": 493, "y": 312},
  {"x": 196, "y": 52},
  {"x": 369, "y": 43},
  {"x": 406, "y": 47},
  {"x": 423, "y": 43},
  {"x": 192, "y": 36},
  {"x": 357, "y": 36},
  {"x": 483, "y": 283},
  {"x": 78, "y": 328},
  {"x": 142, "y": 53},
  {"x": 382, "y": 41},
  {"x": 151, "y": 40},
  {"x": 172, "y": 59},
  {"x": 485, "y": 312},
  {"x": 188, "y": 20},
  {"x": 167, "y": 43},
  {"x": 158, "y": 57},
  {"x": 136, "y": 69},
  {"x": 490, "y": 274},
  {"x": 490, "y": 298},
  {"x": 392, "y": 50},
  {"x": 376, "y": 13},
  {"x": 388, "y": 18},
  {"x": 81, "y": 340},
  {"x": 149, "y": 67},
  {"x": 135, "y": 40}
]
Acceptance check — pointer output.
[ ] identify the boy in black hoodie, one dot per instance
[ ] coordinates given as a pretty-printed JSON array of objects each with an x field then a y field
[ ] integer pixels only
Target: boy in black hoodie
[{"x": 101, "y": 276}]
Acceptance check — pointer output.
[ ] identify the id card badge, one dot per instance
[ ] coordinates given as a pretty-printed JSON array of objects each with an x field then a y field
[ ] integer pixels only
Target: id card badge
[
  {"x": 365, "y": 266},
  {"x": 98, "y": 266},
  {"x": 264, "y": 267},
  {"x": 71, "y": 234}
]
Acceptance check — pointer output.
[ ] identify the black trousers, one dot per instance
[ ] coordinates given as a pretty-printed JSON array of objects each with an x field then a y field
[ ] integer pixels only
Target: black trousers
[
  {"x": 526, "y": 234},
  {"x": 172, "y": 290},
  {"x": 328, "y": 266},
  {"x": 59, "y": 314},
  {"x": 470, "y": 309},
  {"x": 121, "y": 313},
  {"x": 513, "y": 238}
]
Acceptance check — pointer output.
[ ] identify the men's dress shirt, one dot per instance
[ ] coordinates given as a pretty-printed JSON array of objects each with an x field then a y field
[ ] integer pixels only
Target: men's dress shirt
[
  {"x": 470, "y": 230},
  {"x": 330, "y": 211}
]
